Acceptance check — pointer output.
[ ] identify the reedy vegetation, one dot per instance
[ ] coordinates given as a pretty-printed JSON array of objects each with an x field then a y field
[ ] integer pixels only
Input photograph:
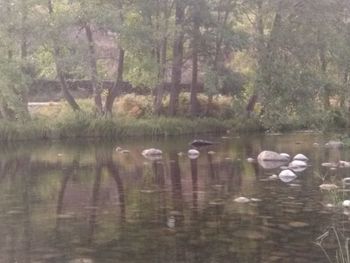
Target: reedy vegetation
[{"x": 294, "y": 57}]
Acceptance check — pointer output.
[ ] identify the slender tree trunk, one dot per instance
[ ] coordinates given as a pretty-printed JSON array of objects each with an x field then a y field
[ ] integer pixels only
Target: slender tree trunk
[
  {"x": 59, "y": 69},
  {"x": 93, "y": 68},
  {"x": 323, "y": 61},
  {"x": 161, "y": 86},
  {"x": 345, "y": 87},
  {"x": 113, "y": 92},
  {"x": 195, "y": 48},
  {"x": 24, "y": 52},
  {"x": 260, "y": 48},
  {"x": 177, "y": 57}
]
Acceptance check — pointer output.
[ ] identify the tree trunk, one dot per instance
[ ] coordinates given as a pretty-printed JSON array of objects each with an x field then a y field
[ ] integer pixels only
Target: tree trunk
[
  {"x": 345, "y": 88},
  {"x": 59, "y": 69},
  {"x": 113, "y": 92},
  {"x": 323, "y": 61},
  {"x": 93, "y": 69},
  {"x": 177, "y": 57},
  {"x": 195, "y": 47},
  {"x": 161, "y": 86},
  {"x": 24, "y": 52}
]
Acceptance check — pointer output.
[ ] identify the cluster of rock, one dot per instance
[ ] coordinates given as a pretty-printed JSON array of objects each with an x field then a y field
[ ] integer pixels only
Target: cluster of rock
[{"x": 271, "y": 160}]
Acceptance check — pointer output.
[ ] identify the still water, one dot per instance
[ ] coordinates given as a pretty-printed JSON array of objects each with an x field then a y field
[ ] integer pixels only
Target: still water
[{"x": 83, "y": 202}]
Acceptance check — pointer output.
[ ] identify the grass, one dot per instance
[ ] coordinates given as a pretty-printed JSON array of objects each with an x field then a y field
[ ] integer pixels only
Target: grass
[
  {"x": 342, "y": 254},
  {"x": 82, "y": 125}
]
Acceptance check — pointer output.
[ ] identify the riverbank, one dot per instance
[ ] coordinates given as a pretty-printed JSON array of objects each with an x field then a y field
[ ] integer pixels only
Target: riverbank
[
  {"x": 82, "y": 126},
  {"x": 133, "y": 117}
]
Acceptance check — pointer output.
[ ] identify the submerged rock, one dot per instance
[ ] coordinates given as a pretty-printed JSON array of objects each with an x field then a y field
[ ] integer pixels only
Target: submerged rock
[
  {"x": 287, "y": 176},
  {"x": 328, "y": 187},
  {"x": 242, "y": 200},
  {"x": 199, "y": 143}
]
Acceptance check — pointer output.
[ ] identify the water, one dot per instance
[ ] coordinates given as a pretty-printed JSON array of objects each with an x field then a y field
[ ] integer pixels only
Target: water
[{"x": 83, "y": 202}]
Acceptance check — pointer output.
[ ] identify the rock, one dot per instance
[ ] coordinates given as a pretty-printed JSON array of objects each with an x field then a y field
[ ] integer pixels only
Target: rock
[
  {"x": 250, "y": 160},
  {"x": 297, "y": 166},
  {"x": 328, "y": 187},
  {"x": 152, "y": 152},
  {"x": 118, "y": 149},
  {"x": 271, "y": 160},
  {"x": 300, "y": 157},
  {"x": 211, "y": 152},
  {"x": 346, "y": 203},
  {"x": 334, "y": 144},
  {"x": 242, "y": 200},
  {"x": 346, "y": 181},
  {"x": 329, "y": 165},
  {"x": 124, "y": 151},
  {"x": 193, "y": 154},
  {"x": 180, "y": 154},
  {"x": 271, "y": 156},
  {"x": 344, "y": 164},
  {"x": 199, "y": 143},
  {"x": 171, "y": 222},
  {"x": 255, "y": 200},
  {"x": 273, "y": 177},
  {"x": 315, "y": 144},
  {"x": 287, "y": 176},
  {"x": 285, "y": 155}
]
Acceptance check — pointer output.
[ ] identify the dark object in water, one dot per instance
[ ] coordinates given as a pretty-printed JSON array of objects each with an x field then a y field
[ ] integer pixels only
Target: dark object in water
[{"x": 199, "y": 143}]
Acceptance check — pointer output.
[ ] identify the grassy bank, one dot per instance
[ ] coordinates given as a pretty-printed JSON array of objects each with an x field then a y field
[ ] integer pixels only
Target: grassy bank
[
  {"x": 83, "y": 126},
  {"x": 135, "y": 118}
]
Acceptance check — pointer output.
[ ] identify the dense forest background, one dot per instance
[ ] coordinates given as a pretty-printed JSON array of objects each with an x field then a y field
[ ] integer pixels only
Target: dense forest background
[{"x": 276, "y": 60}]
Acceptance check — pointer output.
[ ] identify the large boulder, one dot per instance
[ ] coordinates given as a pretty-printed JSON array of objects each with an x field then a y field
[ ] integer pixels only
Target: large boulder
[{"x": 271, "y": 160}]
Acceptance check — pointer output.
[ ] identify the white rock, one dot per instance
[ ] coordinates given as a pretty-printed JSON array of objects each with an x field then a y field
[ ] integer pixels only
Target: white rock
[
  {"x": 344, "y": 164},
  {"x": 271, "y": 156},
  {"x": 118, "y": 149},
  {"x": 330, "y": 165},
  {"x": 242, "y": 199},
  {"x": 273, "y": 177},
  {"x": 193, "y": 154},
  {"x": 171, "y": 222},
  {"x": 250, "y": 160},
  {"x": 328, "y": 187},
  {"x": 285, "y": 155},
  {"x": 287, "y": 176},
  {"x": 297, "y": 166},
  {"x": 346, "y": 203},
  {"x": 346, "y": 181},
  {"x": 271, "y": 160},
  {"x": 300, "y": 157},
  {"x": 152, "y": 152}
]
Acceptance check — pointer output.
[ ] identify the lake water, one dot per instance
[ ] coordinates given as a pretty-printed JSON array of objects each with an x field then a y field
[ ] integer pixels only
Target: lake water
[{"x": 83, "y": 202}]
